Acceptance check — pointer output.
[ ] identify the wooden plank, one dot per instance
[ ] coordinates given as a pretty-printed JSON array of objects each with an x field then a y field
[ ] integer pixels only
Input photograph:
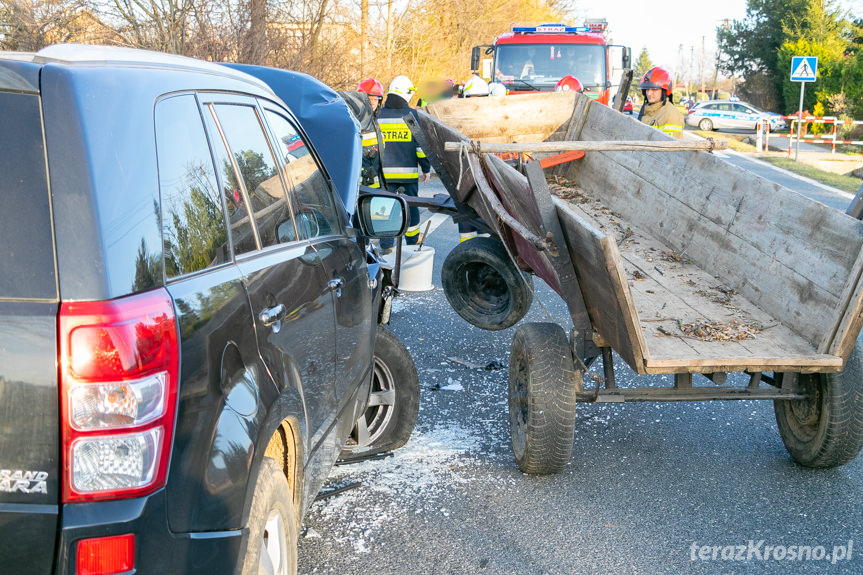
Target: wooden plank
[
  {"x": 602, "y": 280},
  {"x": 594, "y": 146},
  {"x": 786, "y": 253},
  {"x": 453, "y": 168},
  {"x": 569, "y": 288},
  {"x": 523, "y": 118},
  {"x": 848, "y": 329}
]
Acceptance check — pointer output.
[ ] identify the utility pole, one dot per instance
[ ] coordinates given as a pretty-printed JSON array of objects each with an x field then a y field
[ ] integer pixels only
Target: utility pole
[
  {"x": 689, "y": 81},
  {"x": 702, "y": 65}
]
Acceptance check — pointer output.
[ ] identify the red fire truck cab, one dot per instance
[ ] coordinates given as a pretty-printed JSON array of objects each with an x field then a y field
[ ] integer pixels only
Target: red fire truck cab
[{"x": 535, "y": 58}]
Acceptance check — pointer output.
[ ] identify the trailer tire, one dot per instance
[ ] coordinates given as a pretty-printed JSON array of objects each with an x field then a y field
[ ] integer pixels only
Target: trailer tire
[
  {"x": 543, "y": 384},
  {"x": 483, "y": 286},
  {"x": 825, "y": 430},
  {"x": 391, "y": 415}
]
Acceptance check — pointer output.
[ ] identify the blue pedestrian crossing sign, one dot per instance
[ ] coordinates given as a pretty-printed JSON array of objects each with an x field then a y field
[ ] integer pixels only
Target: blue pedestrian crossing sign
[{"x": 803, "y": 68}]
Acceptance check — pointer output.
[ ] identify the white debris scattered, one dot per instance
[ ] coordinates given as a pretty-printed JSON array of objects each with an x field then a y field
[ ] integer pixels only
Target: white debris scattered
[
  {"x": 453, "y": 385},
  {"x": 428, "y": 468}
]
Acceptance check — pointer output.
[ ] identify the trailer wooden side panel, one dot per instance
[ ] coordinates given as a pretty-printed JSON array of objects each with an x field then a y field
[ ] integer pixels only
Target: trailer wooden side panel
[
  {"x": 603, "y": 284},
  {"x": 789, "y": 255}
]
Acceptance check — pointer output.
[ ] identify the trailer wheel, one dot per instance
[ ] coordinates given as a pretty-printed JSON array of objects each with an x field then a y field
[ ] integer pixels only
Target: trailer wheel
[
  {"x": 393, "y": 405},
  {"x": 483, "y": 286},
  {"x": 826, "y": 429},
  {"x": 705, "y": 125},
  {"x": 543, "y": 383}
]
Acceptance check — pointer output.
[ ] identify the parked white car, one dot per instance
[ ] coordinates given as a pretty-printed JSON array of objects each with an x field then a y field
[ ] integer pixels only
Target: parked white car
[{"x": 717, "y": 114}]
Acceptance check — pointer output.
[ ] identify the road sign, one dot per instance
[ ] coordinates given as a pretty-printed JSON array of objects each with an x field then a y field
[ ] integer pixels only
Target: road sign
[{"x": 803, "y": 68}]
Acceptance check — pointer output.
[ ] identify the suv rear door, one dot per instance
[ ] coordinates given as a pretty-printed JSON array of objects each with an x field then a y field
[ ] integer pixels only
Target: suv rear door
[
  {"x": 29, "y": 402},
  {"x": 284, "y": 277}
]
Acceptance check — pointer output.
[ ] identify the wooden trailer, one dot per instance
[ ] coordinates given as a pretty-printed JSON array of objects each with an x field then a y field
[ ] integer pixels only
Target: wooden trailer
[{"x": 677, "y": 260}]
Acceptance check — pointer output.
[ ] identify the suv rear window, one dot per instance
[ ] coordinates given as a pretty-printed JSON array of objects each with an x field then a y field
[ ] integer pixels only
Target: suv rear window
[
  {"x": 27, "y": 266},
  {"x": 193, "y": 225}
]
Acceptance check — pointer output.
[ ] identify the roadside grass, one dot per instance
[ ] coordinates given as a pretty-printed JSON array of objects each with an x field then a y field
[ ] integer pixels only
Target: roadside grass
[
  {"x": 839, "y": 181},
  {"x": 735, "y": 142}
]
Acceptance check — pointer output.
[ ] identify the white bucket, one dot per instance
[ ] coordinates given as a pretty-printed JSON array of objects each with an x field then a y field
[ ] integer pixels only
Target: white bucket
[{"x": 416, "y": 271}]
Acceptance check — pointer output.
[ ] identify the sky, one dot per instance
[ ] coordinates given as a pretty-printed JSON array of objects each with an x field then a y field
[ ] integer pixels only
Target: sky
[{"x": 662, "y": 27}]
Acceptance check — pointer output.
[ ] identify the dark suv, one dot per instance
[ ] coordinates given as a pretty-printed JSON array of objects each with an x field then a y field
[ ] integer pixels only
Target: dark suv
[{"x": 187, "y": 315}]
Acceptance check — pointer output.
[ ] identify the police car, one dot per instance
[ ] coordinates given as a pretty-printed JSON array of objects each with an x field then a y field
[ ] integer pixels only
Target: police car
[{"x": 717, "y": 114}]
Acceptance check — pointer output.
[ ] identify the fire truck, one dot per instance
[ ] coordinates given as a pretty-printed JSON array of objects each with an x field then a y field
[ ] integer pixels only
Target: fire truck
[{"x": 535, "y": 58}]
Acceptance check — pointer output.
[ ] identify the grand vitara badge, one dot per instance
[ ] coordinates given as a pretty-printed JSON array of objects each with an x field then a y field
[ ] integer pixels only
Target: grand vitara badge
[{"x": 21, "y": 481}]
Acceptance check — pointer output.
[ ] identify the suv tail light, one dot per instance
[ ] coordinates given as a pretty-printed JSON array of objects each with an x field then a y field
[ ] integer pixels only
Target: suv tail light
[{"x": 119, "y": 373}]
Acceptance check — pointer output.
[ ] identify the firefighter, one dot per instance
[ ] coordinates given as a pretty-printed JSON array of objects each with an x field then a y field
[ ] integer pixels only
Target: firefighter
[
  {"x": 569, "y": 83},
  {"x": 371, "y": 174},
  {"x": 658, "y": 110},
  {"x": 402, "y": 158},
  {"x": 474, "y": 87},
  {"x": 496, "y": 89}
]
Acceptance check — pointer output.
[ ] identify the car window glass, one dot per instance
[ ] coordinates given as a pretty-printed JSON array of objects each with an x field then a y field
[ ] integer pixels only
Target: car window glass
[
  {"x": 741, "y": 109},
  {"x": 242, "y": 236},
  {"x": 194, "y": 233},
  {"x": 257, "y": 166},
  {"x": 27, "y": 266},
  {"x": 316, "y": 210}
]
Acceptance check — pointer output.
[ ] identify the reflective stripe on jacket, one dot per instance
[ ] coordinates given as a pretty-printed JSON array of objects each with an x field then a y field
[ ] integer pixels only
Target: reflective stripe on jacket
[
  {"x": 402, "y": 157},
  {"x": 665, "y": 117}
]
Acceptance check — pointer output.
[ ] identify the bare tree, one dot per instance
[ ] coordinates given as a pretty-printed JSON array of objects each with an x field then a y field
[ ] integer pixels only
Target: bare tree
[{"x": 29, "y": 25}]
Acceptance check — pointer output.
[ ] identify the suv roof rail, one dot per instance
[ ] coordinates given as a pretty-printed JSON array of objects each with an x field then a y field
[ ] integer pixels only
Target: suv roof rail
[{"x": 100, "y": 54}]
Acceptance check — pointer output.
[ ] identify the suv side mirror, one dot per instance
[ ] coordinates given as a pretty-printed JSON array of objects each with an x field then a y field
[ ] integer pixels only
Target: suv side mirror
[{"x": 382, "y": 215}]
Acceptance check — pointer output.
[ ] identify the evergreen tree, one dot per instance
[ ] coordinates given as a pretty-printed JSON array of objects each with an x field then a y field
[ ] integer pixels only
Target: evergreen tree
[{"x": 642, "y": 65}]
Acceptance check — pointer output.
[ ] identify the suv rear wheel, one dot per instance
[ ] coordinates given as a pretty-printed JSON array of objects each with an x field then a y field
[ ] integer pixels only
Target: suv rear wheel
[{"x": 271, "y": 547}]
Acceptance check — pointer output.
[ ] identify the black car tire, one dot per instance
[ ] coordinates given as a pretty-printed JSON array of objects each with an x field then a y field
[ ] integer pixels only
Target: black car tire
[
  {"x": 543, "y": 384},
  {"x": 483, "y": 286},
  {"x": 705, "y": 125},
  {"x": 825, "y": 430},
  {"x": 272, "y": 525},
  {"x": 393, "y": 406}
]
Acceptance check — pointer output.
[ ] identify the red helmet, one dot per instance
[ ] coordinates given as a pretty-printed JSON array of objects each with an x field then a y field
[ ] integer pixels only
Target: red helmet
[
  {"x": 371, "y": 87},
  {"x": 569, "y": 84},
  {"x": 656, "y": 78}
]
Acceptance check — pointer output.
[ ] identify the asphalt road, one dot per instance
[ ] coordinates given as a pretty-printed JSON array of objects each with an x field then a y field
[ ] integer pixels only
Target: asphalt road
[{"x": 648, "y": 485}]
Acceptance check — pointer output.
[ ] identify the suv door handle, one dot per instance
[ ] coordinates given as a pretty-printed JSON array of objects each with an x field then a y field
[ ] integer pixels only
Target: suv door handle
[
  {"x": 335, "y": 285},
  {"x": 274, "y": 314}
]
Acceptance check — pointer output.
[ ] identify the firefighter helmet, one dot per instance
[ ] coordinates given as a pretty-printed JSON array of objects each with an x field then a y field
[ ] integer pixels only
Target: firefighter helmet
[
  {"x": 496, "y": 89},
  {"x": 569, "y": 83},
  {"x": 656, "y": 79},
  {"x": 475, "y": 86},
  {"x": 402, "y": 86},
  {"x": 371, "y": 87}
]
